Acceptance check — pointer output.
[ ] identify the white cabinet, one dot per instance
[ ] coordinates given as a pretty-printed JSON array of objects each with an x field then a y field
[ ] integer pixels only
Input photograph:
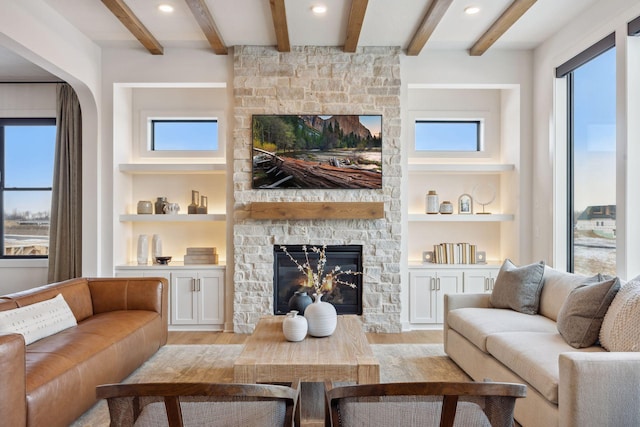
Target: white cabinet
[
  {"x": 479, "y": 280},
  {"x": 426, "y": 291},
  {"x": 197, "y": 297}
]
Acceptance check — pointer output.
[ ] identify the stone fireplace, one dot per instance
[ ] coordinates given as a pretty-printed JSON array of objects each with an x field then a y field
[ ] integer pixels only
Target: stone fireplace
[
  {"x": 323, "y": 81},
  {"x": 287, "y": 278}
]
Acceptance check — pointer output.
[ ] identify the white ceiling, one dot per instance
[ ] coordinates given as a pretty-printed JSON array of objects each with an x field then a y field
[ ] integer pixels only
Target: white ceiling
[{"x": 249, "y": 22}]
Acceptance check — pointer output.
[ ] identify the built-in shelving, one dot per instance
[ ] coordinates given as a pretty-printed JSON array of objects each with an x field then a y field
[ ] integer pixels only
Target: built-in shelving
[
  {"x": 172, "y": 168},
  {"x": 460, "y": 218},
  {"x": 173, "y": 218}
]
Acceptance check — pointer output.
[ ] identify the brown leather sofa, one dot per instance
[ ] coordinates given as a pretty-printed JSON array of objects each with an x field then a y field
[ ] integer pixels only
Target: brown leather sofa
[{"x": 51, "y": 382}]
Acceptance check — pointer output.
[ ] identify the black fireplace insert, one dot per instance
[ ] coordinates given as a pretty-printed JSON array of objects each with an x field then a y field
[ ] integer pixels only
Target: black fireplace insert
[{"x": 288, "y": 279}]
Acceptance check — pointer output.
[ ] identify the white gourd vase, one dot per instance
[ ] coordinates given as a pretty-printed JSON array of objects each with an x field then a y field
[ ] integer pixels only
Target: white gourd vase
[
  {"x": 143, "y": 249},
  {"x": 321, "y": 316},
  {"x": 294, "y": 327}
]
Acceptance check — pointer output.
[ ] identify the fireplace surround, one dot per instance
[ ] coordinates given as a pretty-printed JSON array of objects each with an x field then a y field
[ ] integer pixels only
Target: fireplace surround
[{"x": 287, "y": 278}]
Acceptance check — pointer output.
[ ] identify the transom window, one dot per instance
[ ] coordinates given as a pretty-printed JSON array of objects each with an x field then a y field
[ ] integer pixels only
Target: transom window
[
  {"x": 27, "y": 152},
  {"x": 448, "y": 135},
  {"x": 184, "y": 135}
]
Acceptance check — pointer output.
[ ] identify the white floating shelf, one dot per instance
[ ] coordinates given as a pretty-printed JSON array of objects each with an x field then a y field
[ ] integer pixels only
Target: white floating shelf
[
  {"x": 460, "y": 167},
  {"x": 460, "y": 218},
  {"x": 173, "y": 218},
  {"x": 172, "y": 168}
]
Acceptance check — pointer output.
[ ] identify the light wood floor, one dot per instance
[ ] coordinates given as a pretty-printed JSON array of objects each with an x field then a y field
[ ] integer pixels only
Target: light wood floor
[{"x": 412, "y": 337}]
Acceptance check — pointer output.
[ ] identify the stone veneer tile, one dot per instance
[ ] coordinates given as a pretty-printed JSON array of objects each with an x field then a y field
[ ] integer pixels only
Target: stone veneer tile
[{"x": 317, "y": 80}]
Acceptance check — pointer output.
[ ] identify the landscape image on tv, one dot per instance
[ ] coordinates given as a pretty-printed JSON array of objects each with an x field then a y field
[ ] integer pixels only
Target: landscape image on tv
[{"x": 317, "y": 151}]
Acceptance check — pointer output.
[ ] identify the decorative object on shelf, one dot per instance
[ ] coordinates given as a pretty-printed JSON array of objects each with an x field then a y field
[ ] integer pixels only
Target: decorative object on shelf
[
  {"x": 144, "y": 207},
  {"x": 201, "y": 256},
  {"x": 454, "y": 253},
  {"x": 446, "y": 207},
  {"x": 465, "y": 204},
  {"x": 294, "y": 327},
  {"x": 202, "y": 208},
  {"x": 162, "y": 260},
  {"x": 433, "y": 207},
  {"x": 481, "y": 257},
  {"x": 160, "y": 204},
  {"x": 195, "y": 199},
  {"x": 299, "y": 301},
  {"x": 484, "y": 194},
  {"x": 427, "y": 256},
  {"x": 171, "y": 208},
  {"x": 143, "y": 249},
  {"x": 156, "y": 247},
  {"x": 322, "y": 317}
]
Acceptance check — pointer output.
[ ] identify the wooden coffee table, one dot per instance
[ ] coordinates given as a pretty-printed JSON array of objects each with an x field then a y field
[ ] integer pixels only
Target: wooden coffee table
[{"x": 344, "y": 356}]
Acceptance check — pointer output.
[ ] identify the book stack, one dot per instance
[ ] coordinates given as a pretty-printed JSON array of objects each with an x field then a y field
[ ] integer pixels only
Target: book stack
[
  {"x": 454, "y": 253},
  {"x": 201, "y": 256}
]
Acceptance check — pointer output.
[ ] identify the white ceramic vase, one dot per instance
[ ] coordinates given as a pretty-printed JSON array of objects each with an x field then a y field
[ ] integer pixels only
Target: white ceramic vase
[
  {"x": 143, "y": 249},
  {"x": 294, "y": 327},
  {"x": 321, "y": 316},
  {"x": 156, "y": 245}
]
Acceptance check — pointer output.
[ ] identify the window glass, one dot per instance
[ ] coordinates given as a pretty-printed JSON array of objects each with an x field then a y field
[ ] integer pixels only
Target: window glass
[
  {"x": 592, "y": 200},
  {"x": 184, "y": 135},
  {"x": 431, "y": 135},
  {"x": 28, "y": 150}
]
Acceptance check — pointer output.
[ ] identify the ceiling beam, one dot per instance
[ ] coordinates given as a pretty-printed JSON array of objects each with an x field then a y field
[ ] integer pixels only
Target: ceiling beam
[
  {"x": 432, "y": 18},
  {"x": 133, "y": 24},
  {"x": 203, "y": 15},
  {"x": 500, "y": 26},
  {"x": 356, "y": 19},
  {"x": 279, "y": 15}
]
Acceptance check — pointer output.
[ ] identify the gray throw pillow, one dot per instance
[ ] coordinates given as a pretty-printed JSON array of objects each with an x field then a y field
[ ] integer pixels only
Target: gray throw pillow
[
  {"x": 582, "y": 313},
  {"x": 518, "y": 288}
]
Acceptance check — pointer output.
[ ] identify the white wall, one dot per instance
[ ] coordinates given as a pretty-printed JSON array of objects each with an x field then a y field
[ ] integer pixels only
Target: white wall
[{"x": 549, "y": 225}]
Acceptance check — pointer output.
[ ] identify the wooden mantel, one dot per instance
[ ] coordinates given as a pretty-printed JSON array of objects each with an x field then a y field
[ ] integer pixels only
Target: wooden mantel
[{"x": 317, "y": 210}]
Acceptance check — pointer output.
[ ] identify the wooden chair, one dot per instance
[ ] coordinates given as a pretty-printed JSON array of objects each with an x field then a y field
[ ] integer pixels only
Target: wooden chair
[
  {"x": 184, "y": 404},
  {"x": 486, "y": 404}
]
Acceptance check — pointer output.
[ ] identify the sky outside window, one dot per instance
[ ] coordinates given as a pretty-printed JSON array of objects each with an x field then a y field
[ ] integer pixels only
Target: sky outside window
[
  {"x": 434, "y": 135},
  {"x": 185, "y": 135}
]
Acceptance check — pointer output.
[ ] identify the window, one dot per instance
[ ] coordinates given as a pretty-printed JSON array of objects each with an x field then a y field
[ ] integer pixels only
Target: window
[
  {"x": 448, "y": 135},
  {"x": 27, "y": 150},
  {"x": 184, "y": 135},
  {"x": 591, "y": 169}
]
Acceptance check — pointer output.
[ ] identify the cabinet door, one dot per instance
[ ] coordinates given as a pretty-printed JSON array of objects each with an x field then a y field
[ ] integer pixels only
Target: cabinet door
[
  {"x": 184, "y": 299},
  {"x": 210, "y": 292},
  {"x": 479, "y": 281},
  {"x": 447, "y": 282},
  {"x": 422, "y": 291}
]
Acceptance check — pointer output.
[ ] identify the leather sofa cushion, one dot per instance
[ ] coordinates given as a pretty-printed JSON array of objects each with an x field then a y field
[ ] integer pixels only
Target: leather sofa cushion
[
  {"x": 533, "y": 356},
  {"x": 476, "y": 324}
]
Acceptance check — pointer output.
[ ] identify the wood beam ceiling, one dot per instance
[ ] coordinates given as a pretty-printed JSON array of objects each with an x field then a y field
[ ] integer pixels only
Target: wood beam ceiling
[
  {"x": 432, "y": 18},
  {"x": 279, "y": 15},
  {"x": 133, "y": 24},
  {"x": 500, "y": 26},
  {"x": 356, "y": 19},
  {"x": 203, "y": 15}
]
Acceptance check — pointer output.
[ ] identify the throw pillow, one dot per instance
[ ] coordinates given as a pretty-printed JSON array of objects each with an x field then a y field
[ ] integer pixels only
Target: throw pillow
[
  {"x": 620, "y": 329},
  {"x": 518, "y": 288},
  {"x": 582, "y": 313},
  {"x": 39, "y": 320}
]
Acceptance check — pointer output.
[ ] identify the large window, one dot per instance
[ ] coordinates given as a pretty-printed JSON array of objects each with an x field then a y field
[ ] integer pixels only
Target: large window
[
  {"x": 591, "y": 82},
  {"x": 27, "y": 149}
]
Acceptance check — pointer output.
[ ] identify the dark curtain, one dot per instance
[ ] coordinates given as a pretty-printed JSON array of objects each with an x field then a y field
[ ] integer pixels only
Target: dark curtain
[{"x": 65, "y": 235}]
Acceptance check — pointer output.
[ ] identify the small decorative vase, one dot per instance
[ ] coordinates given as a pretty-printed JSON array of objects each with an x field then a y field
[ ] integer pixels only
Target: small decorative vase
[
  {"x": 432, "y": 202},
  {"x": 202, "y": 208},
  {"x": 193, "y": 207},
  {"x": 156, "y": 247},
  {"x": 145, "y": 207},
  {"x": 299, "y": 302},
  {"x": 322, "y": 317},
  {"x": 143, "y": 249},
  {"x": 160, "y": 204},
  {"x": 294, "y": 327},
  {"x": 446, "y": 208}
]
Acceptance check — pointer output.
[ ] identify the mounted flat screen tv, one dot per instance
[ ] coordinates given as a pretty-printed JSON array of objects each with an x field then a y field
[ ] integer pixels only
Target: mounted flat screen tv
[{"x": 317, "y": 151}]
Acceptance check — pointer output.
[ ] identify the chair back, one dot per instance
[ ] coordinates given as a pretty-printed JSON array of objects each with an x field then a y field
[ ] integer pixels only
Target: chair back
[
  {"x": 185, "y": 404},
  {"x": 468, "y": 404}
]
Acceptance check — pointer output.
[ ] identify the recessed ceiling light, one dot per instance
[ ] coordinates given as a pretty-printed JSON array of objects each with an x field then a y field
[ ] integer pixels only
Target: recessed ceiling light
[
  {"x": 165, "y": 8},
  {"x": 471, "y": 10},
  {"x": 319, "y": 9}
]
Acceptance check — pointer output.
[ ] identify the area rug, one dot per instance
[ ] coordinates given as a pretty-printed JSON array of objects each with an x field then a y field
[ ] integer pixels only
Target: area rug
[{"x": 214, "y": 363}]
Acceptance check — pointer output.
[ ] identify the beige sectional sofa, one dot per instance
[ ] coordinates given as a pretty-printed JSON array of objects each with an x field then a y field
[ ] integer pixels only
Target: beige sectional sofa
[{"x": 566, "y": 386}]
